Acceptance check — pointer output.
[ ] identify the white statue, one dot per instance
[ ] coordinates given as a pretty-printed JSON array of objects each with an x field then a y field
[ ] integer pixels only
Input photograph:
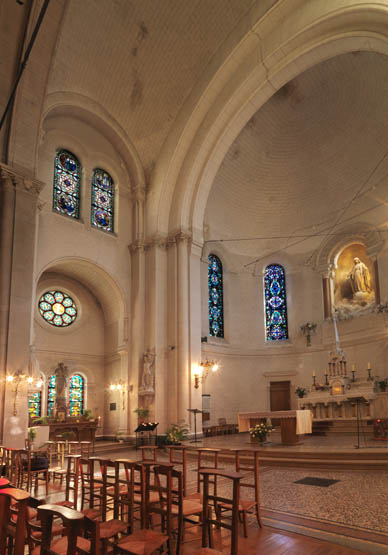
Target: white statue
[
  {"x": 147, "y": 382},
  {"x": 360, "y": 277}
]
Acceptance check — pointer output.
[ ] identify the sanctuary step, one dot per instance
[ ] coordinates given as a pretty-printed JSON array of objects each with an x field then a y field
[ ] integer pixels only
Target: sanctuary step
[
  {"x": 346, "y": 426},
  {"x": 107, "y": 446}
]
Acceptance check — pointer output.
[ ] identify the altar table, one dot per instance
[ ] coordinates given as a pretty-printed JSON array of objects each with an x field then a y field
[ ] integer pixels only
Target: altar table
[{"x": 292, "y": 423}]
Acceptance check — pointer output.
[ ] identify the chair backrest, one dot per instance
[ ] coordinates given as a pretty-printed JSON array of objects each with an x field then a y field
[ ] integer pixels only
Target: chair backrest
[
  {"x": 222, "y": 421},
  {"x": 106, "y": 480},
  {"x": 180, "y": 461},
  {"x": 247, "y": 461},
  {"x": 72, "y": 520},
  {"x": 134, "y": 480},
  {"x": 235, "y": 477},
  {"x": 169, "y": 485},
  {"x": 20, "y": 497}
]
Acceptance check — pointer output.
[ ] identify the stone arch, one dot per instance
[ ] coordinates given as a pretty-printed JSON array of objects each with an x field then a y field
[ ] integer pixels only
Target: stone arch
[{"x": 259, "y": 59}]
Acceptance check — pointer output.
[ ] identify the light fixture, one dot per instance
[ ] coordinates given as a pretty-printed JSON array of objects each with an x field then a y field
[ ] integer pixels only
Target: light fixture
[
  {"x": 121, "y": 387},
  {"x": 202, "y": 371}
]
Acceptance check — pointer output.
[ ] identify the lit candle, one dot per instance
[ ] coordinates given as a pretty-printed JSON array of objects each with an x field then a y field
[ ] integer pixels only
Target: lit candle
[
  {"x": 353, "y": 367},
  {"x": 368, "y": 365},
  {"x": 314, "y": 374},
  {"x": 325, "y": 371}
]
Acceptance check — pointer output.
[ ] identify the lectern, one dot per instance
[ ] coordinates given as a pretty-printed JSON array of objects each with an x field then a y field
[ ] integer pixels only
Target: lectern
[{"x": 195, "y": 412}]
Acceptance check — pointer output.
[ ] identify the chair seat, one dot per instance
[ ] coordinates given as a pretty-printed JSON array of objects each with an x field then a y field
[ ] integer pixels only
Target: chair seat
[
  {"x": 123, "y": 490},
  {"x": 112, "y": 527},
  {"x": 142, "y": 542},
  {"x": 207, "y": 551},
  {"x": 189, "y": 507},
  {"x": 196, "y": 496},
  {"x": 56, "y": 530},
  {"x": 60, "y": 546}
]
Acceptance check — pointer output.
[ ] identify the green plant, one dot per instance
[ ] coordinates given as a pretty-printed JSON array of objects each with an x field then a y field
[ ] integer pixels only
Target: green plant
[
  {"x": 142, "y": 412},
  {"x": 119, "y": 436},
  {"x": 177, "y": 433},
  {"x": 87, "y": 414},
  {"x": 41, "y": 421},
  {"x": 32, "y": 433},
  {"x": 300, "y": 391},
  {"x": 68, "y": 435},
  {"x": 383, "y": 384}
]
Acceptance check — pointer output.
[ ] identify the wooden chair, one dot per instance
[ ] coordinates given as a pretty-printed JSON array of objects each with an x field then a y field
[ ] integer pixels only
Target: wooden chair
[
  {"x": 11, "y": 463},
  {"x": 211, "y": 461},
  {"x": 207, "y": 520},
  {"x": 26, "y": 474},
  {"x": 20, "y": 497},
  {"x": 149, "y": 453},
  {"x": 75, "y": 525},
  {"x": 143, "y": 541},
  {"x": 130, "y": 492},
  {"x": 181, "y": 462},
  {"x": 85, "y": 447},
  {"x": 250, "y": 465},
  {"x": 91, "y": 490},
  {"x": 169, "y": 484}
]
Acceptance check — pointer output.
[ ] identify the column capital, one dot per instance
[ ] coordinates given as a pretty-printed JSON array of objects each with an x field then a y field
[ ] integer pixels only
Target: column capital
[
  {"x": 136, "y": 246},
  {"x": 138, "y": 192},
  {"x": 158, "y": 240},
  {"x": 20, "y": 182},
  {"x": 181, "y": 236}
]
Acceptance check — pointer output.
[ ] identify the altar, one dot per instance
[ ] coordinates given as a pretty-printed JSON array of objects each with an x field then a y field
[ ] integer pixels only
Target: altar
[{"x": 292, "y": 423}]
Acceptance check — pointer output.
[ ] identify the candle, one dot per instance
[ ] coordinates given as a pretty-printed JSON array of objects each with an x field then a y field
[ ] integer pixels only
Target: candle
[
  {"x": 353, "y": 367},
  {"x": 314, "y": 374},
  {"x": 325, "y": 371},
  {"x": 368, "y": 365}
]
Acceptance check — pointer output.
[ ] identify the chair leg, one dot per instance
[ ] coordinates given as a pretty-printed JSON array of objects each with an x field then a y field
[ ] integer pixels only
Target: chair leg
[
  {"x": 258, "y": 517},
  {"x": 245, "y": 523}
]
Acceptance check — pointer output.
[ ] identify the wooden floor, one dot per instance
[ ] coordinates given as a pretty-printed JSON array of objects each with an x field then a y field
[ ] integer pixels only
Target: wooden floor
[{"x": 266, "y": 541}]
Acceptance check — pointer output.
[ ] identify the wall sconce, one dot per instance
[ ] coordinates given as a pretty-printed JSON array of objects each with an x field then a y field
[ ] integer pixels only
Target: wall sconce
[
  {"x": 202, "y": 371},
  {"x": 119, "y": 386},
  {"x": 16, "y": 380}
]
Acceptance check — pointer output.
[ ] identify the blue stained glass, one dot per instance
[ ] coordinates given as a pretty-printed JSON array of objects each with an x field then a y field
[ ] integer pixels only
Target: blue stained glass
[
  {"x": 275, "y": 303},
  {"x": 76, "y": 396},
  {"x": 57, "y": 308},
  {"x": 51, "y": 395},
  {"x": 216, "y": 301},
  {"x": 35, "y": 404},
  {"x": 67, "y": 176},
  {"x": 102, "y": 200}
]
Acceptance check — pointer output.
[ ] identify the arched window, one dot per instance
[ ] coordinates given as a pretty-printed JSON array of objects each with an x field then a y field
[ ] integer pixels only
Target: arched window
[
  {"x": 76, "y": 395},
  {"x": 102, "y": 200},
  {"x": 67, "y": 177},
  {"x": 51, "y": 391},
  {"x": 35, "y": 402},
  {"x": 216, "y": 297},
  {"x": 275, "y": 303}
]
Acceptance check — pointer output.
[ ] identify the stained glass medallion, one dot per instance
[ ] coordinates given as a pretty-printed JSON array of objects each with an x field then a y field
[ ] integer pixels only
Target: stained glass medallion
[
  {"x": 216, "y": 309},
  {"x": 57, "y": 308},
  {"x": 76, "y": 395},
  {"x": 102, "y": 212},
  {"x": 67, "y": 174},
  {"x": 275, "y": 303},
  {"x": 52, "y": 384}
]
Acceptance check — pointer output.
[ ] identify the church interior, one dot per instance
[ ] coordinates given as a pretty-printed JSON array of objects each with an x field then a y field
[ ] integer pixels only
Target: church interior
[{"x": 194, "y": 263}]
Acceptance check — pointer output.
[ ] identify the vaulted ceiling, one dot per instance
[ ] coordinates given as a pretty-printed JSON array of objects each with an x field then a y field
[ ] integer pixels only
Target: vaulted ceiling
[{"x": 312, "y": 157}]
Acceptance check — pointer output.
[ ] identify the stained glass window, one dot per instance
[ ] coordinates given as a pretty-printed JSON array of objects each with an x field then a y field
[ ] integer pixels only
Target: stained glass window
[
  {"x": 275, "y": 303},
  {"x": 52, "y": 384},
  {"x": 102, "y": 200},
  {"x": 57, "y": 308},
  {"x": 76, "y": 395},
  {"x": 216, "y": 299},
  {"x": 35, "y": 404},
  {"x": 67, "y": 176}
]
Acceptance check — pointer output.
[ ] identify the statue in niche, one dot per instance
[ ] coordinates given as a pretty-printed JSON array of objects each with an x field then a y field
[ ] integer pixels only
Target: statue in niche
[
  {"x": 147, "y": 382},
  {"x": 360, "y": 277}
]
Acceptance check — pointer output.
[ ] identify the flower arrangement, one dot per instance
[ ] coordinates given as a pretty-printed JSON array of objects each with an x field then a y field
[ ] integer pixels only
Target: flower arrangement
[
  {"x": 176, "y": 434},
  {"x": 301, "y": 392},
  {"x": 260, "y": 431}
]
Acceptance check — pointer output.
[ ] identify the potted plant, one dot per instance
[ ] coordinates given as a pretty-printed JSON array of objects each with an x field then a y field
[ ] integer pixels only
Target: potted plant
[
  {"x": 260, "y": 431},
  {"x": 142, "y": 413},
  {"x": 301, "y": 392},
  {"x": 119, "y": 437},
  {"x": 383, "y": 384},
  {"x": 32, "y": 433},
  {"x": 41, "y": 421},
  {"x": 176, "y": 434},
  {"x": 87, "y": 414}
]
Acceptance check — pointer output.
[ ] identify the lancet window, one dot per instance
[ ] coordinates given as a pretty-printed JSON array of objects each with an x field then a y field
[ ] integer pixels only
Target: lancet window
[
  {"x": 35, "y": 403},
  {"x": 51, "y": 392},
  {"x": 275, "y": 303},
  {"x": 216, "y": 297},
  {"x": 102, "y": 212},
  {"x": 76, "y": 395},
  {"x": 67, "y": 178}
]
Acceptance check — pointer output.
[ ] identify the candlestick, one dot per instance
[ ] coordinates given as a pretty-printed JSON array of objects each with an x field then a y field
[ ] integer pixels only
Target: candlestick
[
  {"x": 368, "y": 365},
  {"x": 326, "y": 379},
  {"x": 369, "y": 375},
  {"x": 353, "y": 372},
  {"x": 314, "y": 374},
  {"x": 314, "y": 379}
]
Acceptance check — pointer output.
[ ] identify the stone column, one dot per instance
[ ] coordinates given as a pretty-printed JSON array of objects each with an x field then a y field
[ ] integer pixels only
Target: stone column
[
  {"x": 20, "y": 196},
  {"x": 183, "y": 327},
  {"x": 138, "y": 278}
]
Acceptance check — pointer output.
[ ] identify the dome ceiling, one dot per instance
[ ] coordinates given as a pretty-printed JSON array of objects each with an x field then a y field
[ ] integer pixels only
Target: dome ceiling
[
  {"x": 140, "y": 59},
  {"x": 294, "y": 169}
]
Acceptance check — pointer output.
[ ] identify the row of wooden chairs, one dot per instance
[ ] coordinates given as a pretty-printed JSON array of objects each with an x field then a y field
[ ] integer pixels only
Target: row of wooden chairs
[
  {"x": 219, "y": 430},
  {"x": 83, "y": 534}
]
